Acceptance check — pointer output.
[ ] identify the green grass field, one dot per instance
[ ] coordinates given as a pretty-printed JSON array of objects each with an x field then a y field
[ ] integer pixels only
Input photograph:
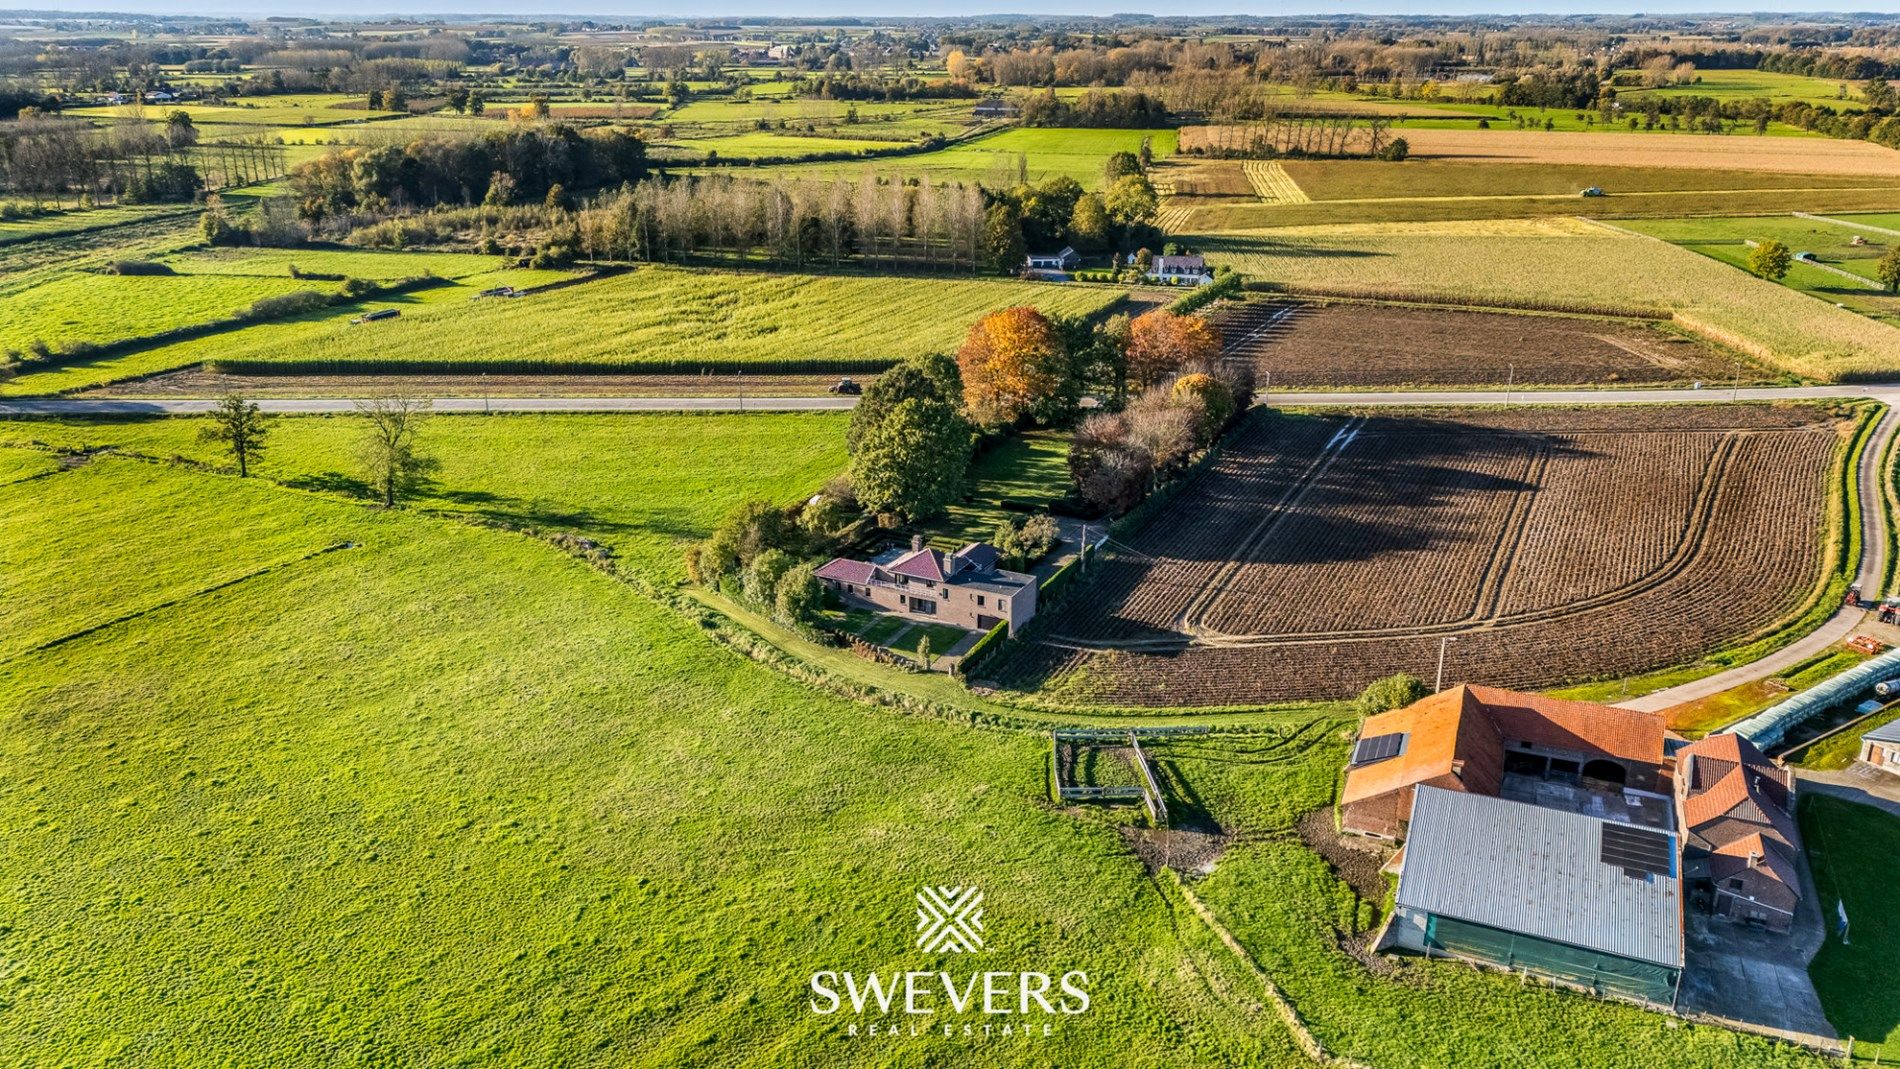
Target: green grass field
[
  {"x": 1725, "y": 239},
  {"x": 1777, "y": 325},
  {"x": 1420, "y": 179},
  {"x": 1078, "y": 154},
  {"x": 1463, "y": 115},
  {"x": 1773, "y": 86},
  {"x": 98, "y": 309},
  {"x": 659, "y": 318},
  {"x": 451, "y": 796},
  {"x": 1855, "y": 852},
  {"x": 379, "y": 266}
]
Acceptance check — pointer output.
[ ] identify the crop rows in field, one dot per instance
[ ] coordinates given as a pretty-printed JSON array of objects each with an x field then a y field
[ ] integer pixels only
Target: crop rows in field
[
  {"x": 669, "y": 319},
  {"x": 1272, "y": 184},
  {"x": 1323, "y": 552},
  {"x": 1293, "y": 344}
]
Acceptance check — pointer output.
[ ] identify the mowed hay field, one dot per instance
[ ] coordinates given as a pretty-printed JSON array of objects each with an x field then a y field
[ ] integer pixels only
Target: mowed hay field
[
  {"x": 1322, "y": 552},
  {"x": 1212, "y": 195},
  {"x": 451, "y": 797},
  {"x": 1576, "y": 268},
  {"x": 993, "y": 159},
  {"x": 664, "y": 318}
]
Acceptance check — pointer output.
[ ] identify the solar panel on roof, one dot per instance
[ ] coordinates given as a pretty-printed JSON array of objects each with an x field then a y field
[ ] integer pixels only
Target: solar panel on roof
[
  {"x": 1639, "y": 852},
  {"x": 1378, "y": 748}
]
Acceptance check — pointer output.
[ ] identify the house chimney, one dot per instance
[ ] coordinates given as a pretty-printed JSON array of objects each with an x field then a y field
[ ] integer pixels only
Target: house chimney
[
  {"x": 1458, "y": 768},
  {"x": 916, "y": 542},
  {"x": 1754, "y": 859}
]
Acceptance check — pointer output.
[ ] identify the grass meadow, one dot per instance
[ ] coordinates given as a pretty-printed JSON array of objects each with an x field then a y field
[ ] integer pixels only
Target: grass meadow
[
  {"x": 1855, "y": 851},
  {"x": 993, "y": 159},
  {"x": 666, "y": 318},
  {"x": 99, "y": 309},
  {"x": 452, "y": 796},
  {"x": 1778, "y": 326},
  {"x": 1726, "y": 240}
]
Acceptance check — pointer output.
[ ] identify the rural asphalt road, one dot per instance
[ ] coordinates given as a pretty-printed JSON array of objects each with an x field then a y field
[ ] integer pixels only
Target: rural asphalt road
[{"x": 121, "y": 406}]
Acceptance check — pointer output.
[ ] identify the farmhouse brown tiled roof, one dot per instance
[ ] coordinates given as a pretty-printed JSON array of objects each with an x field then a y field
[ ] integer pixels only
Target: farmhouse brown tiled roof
[
  {"x": 1770, "y": 856},
  {"x": 846, "y": 570},
  {"x": 1457, "y": 736},
  {"x": 921, "y": 564},
  {"x": 1730, "y": 778},
  {"x": 1568, "y": 725}
]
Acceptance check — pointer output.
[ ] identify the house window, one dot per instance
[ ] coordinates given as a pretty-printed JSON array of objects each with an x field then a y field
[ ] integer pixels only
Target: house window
[
  {"x": 979, "y": 601},
  {"x": 1735, "y": 884}
]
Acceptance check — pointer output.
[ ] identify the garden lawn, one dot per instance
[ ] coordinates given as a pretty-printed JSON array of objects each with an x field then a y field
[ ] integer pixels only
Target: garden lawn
[
  {"x": 1031, "y": 469},
  {"x": 1778, "y": 326},
  {"x": 674, "y": 319},
  {"x": 453, "y": 798},
  {"x": 99, "y": 309},
  {"x": 1855, "y": 851}
]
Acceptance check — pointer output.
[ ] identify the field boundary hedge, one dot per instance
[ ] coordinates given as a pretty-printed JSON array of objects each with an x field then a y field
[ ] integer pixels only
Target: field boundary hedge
[{"x": 1228, "y": 285}]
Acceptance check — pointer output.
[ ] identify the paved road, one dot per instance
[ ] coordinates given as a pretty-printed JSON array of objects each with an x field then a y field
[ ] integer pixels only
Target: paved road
[
  {"x": 1873, "y": 566},
  {"x": 116, "y": 406}
]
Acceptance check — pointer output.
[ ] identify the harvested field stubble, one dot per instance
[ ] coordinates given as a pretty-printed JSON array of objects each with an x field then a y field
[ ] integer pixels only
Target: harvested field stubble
[
  {"x": 1293, "y": 344},
  {"x": 1321, "y": 552},
  {"x": 1791, "y": 155},
  {"x": 1773, "y": 324}
]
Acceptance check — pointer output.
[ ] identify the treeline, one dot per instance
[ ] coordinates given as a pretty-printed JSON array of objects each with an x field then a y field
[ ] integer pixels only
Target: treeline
[
  {"x": 1123, "y": 110},
  {"x": 871, "y": 221},
  {"x": 41, "y": 156},
  {"x": 792, "y": 222},
  {"x": 502, "y": 167},
  {"x": 852, "y": 86}
]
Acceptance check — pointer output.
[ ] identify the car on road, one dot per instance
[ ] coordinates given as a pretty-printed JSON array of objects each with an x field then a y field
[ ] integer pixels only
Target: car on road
[{"x": 846, "y": 386}]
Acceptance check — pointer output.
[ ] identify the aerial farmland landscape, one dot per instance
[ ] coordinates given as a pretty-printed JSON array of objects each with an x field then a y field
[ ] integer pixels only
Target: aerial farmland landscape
[{"x": 935, "y": 537}]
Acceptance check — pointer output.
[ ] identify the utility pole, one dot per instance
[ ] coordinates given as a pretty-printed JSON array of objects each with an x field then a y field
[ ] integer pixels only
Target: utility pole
[
  {"x": 1510, "y": 384},
  {"x": 1085, "y": 547},
  {"x": 1442, "y": 643}
]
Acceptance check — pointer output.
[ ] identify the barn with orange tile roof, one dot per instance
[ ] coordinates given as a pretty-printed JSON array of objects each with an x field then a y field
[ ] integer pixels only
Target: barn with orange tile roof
[{"x": 1469, "y": 737}]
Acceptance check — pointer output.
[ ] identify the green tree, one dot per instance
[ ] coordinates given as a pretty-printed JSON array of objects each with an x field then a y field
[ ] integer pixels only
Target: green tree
[
  {"x": 1131, "y": 200},
  {"x": 1119, "y": 166},
  {"x": 932, "y": 377},
  {"x": 914, "y": 460},
  {"x": 390, "y": 453},
  {"x": 1392, "y": 692},
  {"x": 924, "y": 654},
  {"x": 241, "y": 427},
  {"x": 1003, "y": 244},
  {"x": 799, "y": 595},
  {"x": 1770, "y": 260},
  {"x": 1089, "y": 224},
  {"x": 1887, "y": 270},
  {"x": 763, "y": 574}
]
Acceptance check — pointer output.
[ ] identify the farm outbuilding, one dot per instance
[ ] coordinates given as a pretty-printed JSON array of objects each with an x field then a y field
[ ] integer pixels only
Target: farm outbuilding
[
  {"x": 1881, "y": 748},
  {"x": 1583, "y": 901}
]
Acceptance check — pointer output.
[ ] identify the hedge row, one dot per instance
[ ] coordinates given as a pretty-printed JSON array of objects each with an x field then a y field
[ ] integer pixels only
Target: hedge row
[
  {"x": 985, "y": 647},
  {"x": 1225, "y": 286}
]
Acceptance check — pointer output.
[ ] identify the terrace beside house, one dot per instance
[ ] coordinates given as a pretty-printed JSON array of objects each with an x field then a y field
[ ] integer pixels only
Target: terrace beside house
[{"x": 964, "y": 589}]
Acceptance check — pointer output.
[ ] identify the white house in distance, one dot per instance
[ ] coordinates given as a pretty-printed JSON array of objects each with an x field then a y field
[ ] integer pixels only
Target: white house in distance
[
  {"x": 1054, "y": 262},
  {"x": 1191, "y": 270},
  {"x": 964, "y": 589}
]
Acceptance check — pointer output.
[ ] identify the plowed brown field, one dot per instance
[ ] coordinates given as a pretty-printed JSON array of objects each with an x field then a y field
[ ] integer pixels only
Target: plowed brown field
[{"x": 1322, "y": 552}]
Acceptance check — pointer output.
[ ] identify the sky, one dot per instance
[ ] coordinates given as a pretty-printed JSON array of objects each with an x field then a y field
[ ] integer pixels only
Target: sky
[{"x": 817, "y": 9}]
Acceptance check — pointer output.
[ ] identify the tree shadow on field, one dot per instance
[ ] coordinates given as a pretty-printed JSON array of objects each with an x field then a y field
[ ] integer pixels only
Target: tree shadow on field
[{"x": 330, "y": 482}]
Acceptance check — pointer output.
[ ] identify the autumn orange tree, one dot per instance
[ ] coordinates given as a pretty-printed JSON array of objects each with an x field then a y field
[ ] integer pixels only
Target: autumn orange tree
[
  {"x": 1161, "y": 344},
  {"x": 1015, "y": 364}
]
